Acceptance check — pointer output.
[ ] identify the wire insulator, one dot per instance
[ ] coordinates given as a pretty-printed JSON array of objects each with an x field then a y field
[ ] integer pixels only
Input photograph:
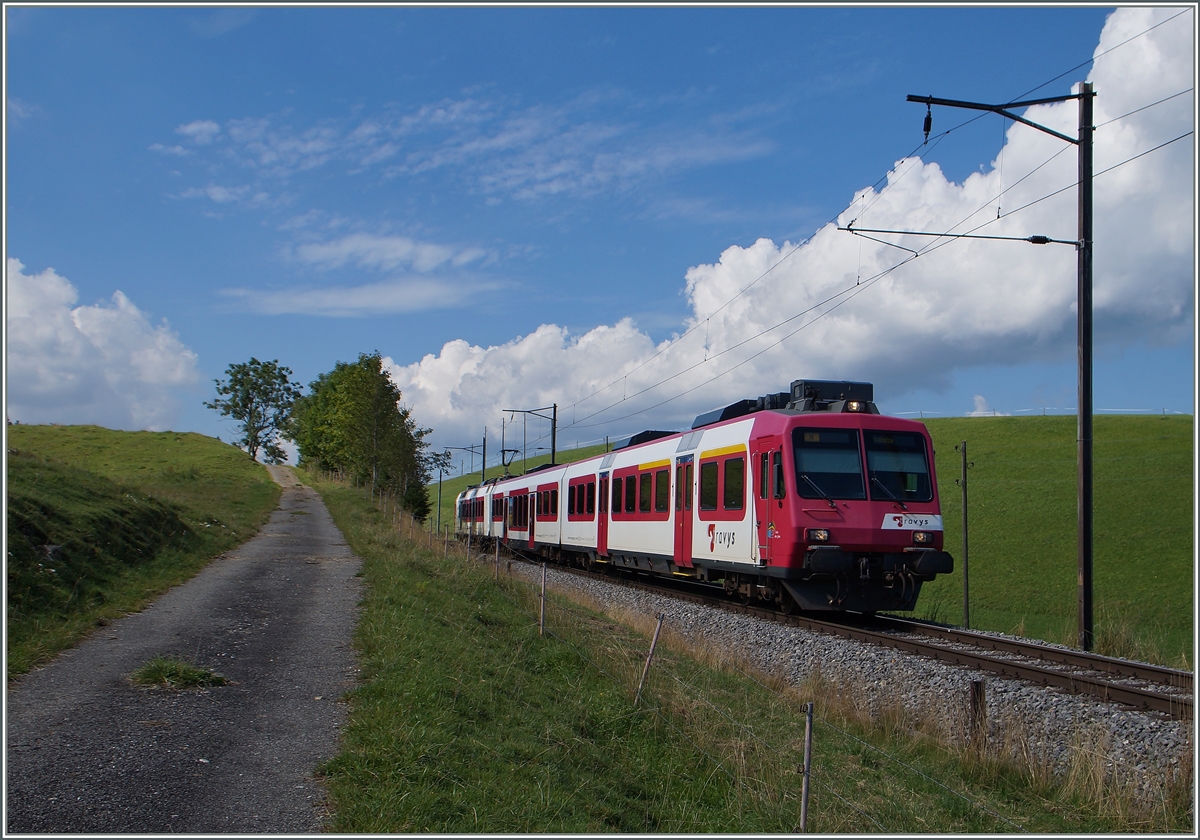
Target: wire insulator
[{"x": 928, "y": 121}]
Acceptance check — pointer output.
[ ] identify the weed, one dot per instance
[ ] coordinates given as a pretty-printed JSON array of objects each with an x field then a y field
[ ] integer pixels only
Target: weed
[{"x": 169, "y": 672}]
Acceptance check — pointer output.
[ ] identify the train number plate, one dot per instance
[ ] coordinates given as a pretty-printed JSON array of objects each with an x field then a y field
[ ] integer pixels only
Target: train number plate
[{"x": 912, "y": 522}]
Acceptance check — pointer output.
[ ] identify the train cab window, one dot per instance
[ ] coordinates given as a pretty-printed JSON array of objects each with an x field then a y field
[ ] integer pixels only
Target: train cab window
[
  {"x": 734, "y": 494},
  {"x": 662, "y": 491},
  {"x": 897, "y": 467},
  {"x": 828, "y": 464},
  {"x": 708, "y": 486},
  {"x": 645, "y": 493},
  {"x": 616, "y": 495}
]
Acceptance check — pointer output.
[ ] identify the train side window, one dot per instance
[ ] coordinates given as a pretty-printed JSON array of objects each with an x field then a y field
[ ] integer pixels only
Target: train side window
[
  {"x": 662, "y": 491},
  {"x": 616, "y": 495},
  {"x": 554, "y": 503},
  {"x": 591, "y": 497},
  {"x": 780, "y": 490},
  {"x": 708, "y": 486},
  {"x": 764, "y": 471},
  {"x": 645, "y": 493},
  {"x": 630, "y": 495},
  {"x": 571, "y": 502},
  {"x": 735, "y": 484}
]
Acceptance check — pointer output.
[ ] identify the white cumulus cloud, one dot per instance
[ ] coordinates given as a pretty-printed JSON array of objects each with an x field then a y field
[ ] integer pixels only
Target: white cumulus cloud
[
  {"x": 104, "y": 364},
  {"x": 844, "y": 307}
]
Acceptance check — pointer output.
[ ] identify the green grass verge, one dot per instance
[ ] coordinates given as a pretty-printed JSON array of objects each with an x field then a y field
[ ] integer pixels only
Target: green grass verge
[
  {"x": 100, "y": 522},
  {"x": 468, "y": 721},
  {"x": 1023, "y": 572}
]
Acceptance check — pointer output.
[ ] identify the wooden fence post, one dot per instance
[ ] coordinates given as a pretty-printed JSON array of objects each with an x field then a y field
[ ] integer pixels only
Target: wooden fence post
[
  {"x": 649, "y": 656},
  {"x": 808, "y": 721}
]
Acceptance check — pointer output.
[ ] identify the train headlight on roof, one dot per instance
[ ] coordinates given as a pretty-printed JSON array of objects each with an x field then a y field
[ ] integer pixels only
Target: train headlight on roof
[
  {"x": 856, "y": 405},
  {"x": 923, "y": 537},
  {"x": 817, "y": 535}
]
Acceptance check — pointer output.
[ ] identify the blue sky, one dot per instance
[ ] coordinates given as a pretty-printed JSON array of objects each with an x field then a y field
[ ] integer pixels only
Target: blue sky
[{"x": 521, "y": 206}]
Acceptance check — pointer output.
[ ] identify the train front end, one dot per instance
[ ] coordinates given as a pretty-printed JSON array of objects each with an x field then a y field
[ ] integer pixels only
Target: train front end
[{"x": 852, "y": 518}]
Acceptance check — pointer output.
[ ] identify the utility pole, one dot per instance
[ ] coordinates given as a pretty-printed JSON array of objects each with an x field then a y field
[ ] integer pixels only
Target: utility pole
[
  {"x": 1083, "y": 247},
  {"x": 553, "y": 418}
]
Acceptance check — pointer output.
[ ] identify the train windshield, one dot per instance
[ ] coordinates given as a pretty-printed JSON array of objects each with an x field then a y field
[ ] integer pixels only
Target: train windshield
[
  {"x": 828, "y": 464},
  {"x": 896, "y": 460}
]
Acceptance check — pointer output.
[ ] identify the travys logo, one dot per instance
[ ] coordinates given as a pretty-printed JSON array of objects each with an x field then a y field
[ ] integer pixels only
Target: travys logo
[
  {"x": 725, "y": 538},
  {"x": 912, "y": 522}
]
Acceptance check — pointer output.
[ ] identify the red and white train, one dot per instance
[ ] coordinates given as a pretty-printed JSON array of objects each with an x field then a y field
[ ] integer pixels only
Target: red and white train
[{"x": 808, "y": 498}]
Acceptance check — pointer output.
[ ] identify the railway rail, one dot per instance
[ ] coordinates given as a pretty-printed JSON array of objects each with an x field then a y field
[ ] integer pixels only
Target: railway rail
[{"x": 1135, "y": 685}]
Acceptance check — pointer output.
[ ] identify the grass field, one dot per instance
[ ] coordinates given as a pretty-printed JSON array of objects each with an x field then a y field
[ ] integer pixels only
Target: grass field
[
  {"x": 100, "y": 522},
  {"x": 1022, "y": 537},
  {"x": 1022, "y": 530},
  {"x": 469, "y": 721}
]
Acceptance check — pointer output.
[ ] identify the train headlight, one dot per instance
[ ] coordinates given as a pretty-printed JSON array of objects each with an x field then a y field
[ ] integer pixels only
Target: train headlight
[
  {"x": 817, "y": 535},
  {"x": 923, "y": 537},
  {"x": 855, "y": 405}
]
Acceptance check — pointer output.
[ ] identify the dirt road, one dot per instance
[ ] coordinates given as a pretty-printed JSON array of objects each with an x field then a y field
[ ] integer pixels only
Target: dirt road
[{"x": 87, "y": 752}]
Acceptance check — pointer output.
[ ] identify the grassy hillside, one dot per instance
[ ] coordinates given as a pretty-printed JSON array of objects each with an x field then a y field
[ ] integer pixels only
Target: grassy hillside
[
  {"x": 1022, "y": 530},
  {"x": 99, "y": 522},
  {"x": 1023, "y": 567}
]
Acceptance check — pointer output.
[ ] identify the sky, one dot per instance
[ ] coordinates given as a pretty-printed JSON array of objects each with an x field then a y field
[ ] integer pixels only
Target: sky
[{"x": 631, "y": 213}]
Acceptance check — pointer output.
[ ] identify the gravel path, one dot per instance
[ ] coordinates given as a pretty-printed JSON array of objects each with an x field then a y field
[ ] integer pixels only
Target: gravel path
[{"x": 87, "y": 752}]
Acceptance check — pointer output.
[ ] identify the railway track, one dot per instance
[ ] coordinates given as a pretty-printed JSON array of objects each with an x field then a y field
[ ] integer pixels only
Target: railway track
[{"x": 1135, "y": 685}]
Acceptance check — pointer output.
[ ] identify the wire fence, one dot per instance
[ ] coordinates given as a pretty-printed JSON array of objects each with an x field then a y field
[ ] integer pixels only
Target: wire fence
[
  {"x": 749, "y": 731},
  {"x": 746, "y": 725}
]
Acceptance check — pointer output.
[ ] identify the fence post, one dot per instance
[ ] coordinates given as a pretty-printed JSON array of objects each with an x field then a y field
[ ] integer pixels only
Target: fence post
[
  {"x": 808, "y": 720},
  {"x": 542, "y": 617},
  {"x": 649, "y": 656},
  {"x": 978, "y": 715}
]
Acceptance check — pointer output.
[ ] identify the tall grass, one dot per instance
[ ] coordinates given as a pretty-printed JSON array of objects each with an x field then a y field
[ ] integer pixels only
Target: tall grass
[{"x": 466, "y": 720}]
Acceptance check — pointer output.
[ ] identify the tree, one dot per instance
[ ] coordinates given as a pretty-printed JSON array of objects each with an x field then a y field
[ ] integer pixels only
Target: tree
[
  {"x": 351, "y": 421},
  {"x": 259, "y": 396}
]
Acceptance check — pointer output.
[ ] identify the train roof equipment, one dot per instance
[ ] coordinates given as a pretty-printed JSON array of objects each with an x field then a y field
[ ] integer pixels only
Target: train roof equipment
[{"x": 806, "y": 395}]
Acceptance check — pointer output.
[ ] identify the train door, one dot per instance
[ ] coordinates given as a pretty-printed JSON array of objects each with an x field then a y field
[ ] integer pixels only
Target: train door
[
  {"x": 766, "y": 453},
  {"x": 535, "y": 507},
  {"x": 602, "y": 514},
  {"x": 684, "y": 492}
]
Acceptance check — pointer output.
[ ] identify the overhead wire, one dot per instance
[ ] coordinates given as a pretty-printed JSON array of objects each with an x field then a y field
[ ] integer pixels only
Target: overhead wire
[{"x": 859, "y": 284}]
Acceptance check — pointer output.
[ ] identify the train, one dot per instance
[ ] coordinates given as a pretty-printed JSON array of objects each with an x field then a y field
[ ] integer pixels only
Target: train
[{"x": 808, "y": 499}]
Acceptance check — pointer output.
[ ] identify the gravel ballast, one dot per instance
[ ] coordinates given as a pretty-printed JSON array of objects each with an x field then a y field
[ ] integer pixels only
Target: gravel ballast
[
  {"x": 88, "y": 752},
  {"x": 1146, "y": 748}
]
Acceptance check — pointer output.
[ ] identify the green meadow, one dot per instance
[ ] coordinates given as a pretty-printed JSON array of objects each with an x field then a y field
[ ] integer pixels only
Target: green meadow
[
  {"x": 1022, "y": 525},
  {"x": 100, "y": 522},
  {"x": 1023, "y": 563}
]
